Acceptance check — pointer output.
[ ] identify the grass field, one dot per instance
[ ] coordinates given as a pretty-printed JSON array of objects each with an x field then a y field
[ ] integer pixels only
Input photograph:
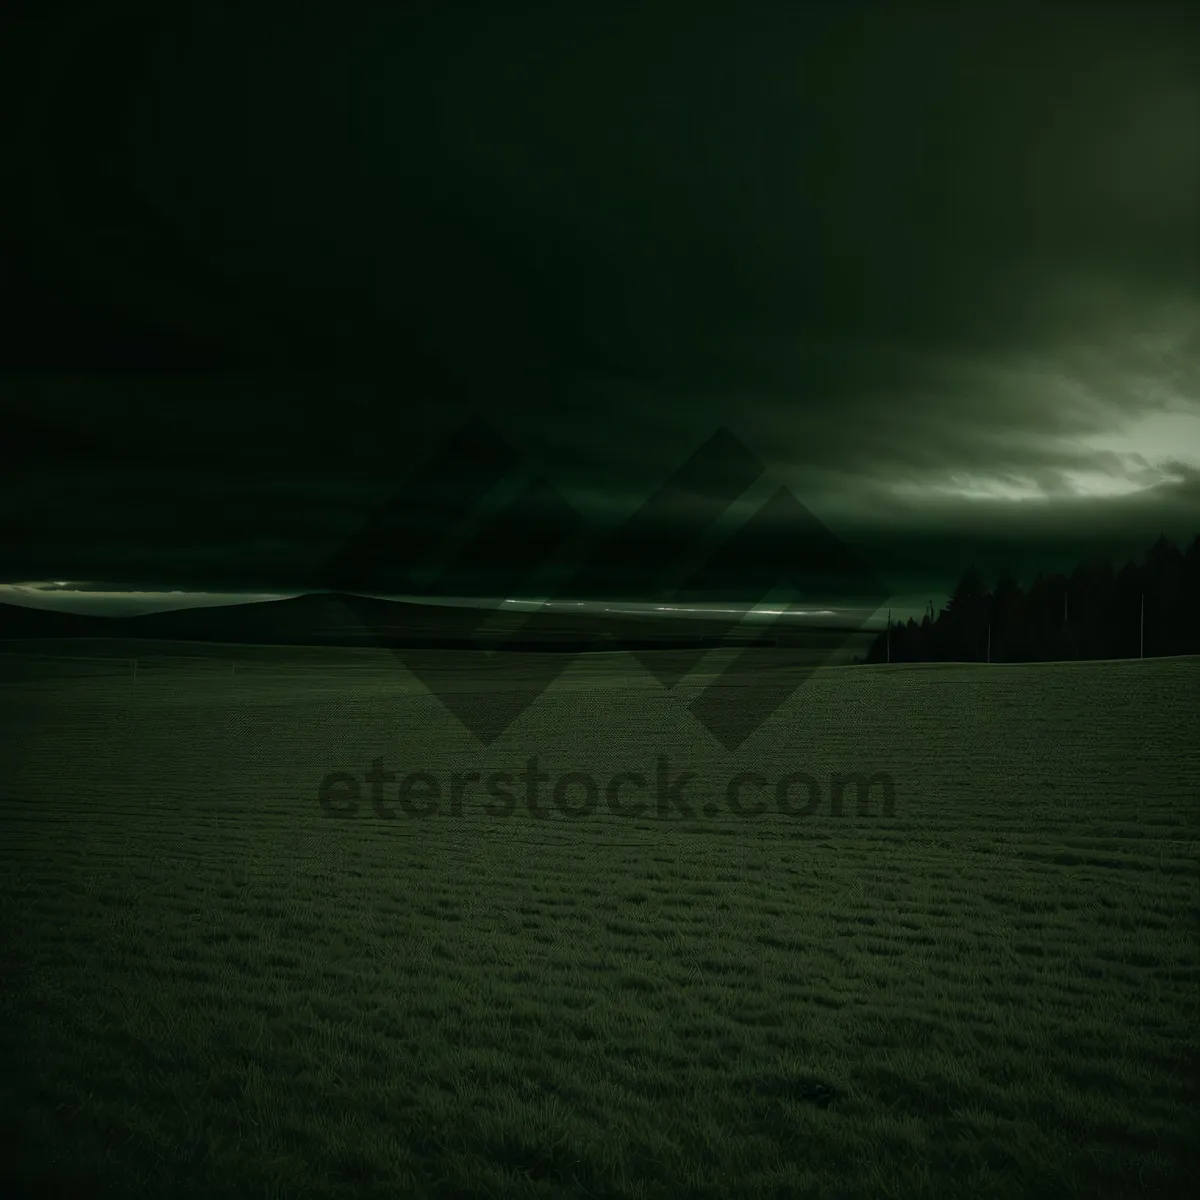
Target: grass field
[{"x": 215, "y": 988}]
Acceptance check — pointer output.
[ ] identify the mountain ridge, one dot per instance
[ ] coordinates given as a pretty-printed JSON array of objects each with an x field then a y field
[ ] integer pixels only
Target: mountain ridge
[{"x": 346, "y": 619}]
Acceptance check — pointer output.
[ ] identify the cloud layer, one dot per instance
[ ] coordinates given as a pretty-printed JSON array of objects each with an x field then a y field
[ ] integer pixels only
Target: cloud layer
[{"x": 938, "y": 268}]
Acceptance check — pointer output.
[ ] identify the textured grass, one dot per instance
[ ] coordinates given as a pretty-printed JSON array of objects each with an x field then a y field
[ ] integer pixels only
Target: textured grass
[{"x": 216, "y": 989}]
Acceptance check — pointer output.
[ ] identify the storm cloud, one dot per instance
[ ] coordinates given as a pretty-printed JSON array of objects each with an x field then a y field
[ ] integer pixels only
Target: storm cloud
[{"x": 937, "y": 267}]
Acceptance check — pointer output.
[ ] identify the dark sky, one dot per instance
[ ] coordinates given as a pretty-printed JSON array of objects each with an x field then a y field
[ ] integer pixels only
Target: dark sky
[{"x": 937, "y": 267}]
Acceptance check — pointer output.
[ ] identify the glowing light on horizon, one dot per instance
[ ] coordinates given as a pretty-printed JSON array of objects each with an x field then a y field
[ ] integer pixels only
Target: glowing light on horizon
[{"x": 633, "y": 610}]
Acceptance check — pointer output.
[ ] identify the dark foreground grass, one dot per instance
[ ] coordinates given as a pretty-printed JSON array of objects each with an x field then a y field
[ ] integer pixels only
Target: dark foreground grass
[{"x": 215, "y": 989}]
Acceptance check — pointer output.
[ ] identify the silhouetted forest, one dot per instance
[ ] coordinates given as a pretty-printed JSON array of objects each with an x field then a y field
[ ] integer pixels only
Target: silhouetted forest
[{"x": 1095, "y": 612}]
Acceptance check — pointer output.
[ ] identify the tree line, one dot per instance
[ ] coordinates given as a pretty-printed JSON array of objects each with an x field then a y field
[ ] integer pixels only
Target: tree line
[{"x": 1149, "y": 608}]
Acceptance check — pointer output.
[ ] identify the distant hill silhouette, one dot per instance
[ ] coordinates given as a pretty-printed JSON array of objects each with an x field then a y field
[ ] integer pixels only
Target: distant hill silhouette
[
  {"x": 1095, "y": 612},
  {"x": 342, "y": 619},
  {"x": 19, "y": 621}
]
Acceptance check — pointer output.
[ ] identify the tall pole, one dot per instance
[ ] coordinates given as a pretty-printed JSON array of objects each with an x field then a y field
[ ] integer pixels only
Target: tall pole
[
  {"x": 889, "y": 636},
  {"x": 1142, "y": 630}
]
